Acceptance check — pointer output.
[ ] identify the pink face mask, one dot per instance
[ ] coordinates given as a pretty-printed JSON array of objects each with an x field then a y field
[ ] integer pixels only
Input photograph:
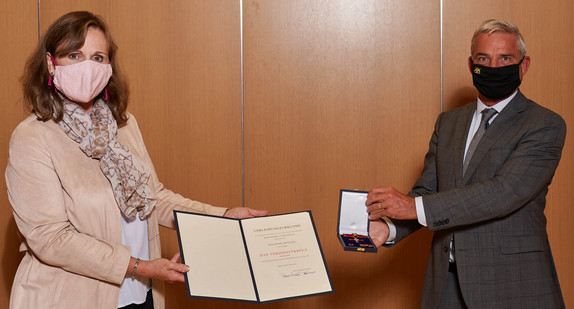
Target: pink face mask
[{"x": 81, "y": 82}]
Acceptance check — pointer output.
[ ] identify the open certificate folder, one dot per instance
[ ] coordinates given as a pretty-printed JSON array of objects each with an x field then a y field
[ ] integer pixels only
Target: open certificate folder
[{"x": 259, "y": 259}]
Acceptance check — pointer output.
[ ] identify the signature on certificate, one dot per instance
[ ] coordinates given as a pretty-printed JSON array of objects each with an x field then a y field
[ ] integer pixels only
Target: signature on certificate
[{"x": 299, "y": 272}]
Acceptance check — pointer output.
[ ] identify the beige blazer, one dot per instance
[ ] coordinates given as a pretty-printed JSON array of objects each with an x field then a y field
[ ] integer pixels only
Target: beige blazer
[{"x": 69, "y": 222}]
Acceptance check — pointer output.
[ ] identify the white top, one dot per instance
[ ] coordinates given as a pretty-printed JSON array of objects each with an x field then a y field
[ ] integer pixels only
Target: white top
[{"x": 135, "y": 235}]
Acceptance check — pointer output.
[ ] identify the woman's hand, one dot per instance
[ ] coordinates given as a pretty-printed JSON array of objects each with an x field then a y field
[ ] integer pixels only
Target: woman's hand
[
  {"x": 162, "y": 269},
  {"x": 244, "y": 212}
]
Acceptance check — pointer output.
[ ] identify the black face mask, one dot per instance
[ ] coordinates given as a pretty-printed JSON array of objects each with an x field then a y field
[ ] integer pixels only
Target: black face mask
[{"x": 496, "y": 83}]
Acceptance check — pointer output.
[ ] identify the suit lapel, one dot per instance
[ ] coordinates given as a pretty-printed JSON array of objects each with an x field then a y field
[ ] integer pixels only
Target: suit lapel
[{"x": 497, "y": 128}]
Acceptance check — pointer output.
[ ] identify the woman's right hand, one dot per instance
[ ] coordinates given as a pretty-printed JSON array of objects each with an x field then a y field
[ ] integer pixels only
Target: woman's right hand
[{"x": 162, "y": 269}]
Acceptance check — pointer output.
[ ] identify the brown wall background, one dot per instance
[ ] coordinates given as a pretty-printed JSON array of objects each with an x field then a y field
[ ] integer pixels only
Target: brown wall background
[{"x": 332, "y": 95}]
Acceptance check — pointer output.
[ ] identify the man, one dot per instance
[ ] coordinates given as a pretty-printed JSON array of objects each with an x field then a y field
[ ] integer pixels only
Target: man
[{"x": 484, "y": 200}]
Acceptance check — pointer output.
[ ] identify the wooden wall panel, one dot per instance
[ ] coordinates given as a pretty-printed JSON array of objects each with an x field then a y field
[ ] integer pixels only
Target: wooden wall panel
[
  {"x": 341, "y": 95},
  {"x": 19, "y": 36},
  {"x": 338, "y": 94},
  {"x": 547, "y": 31}
]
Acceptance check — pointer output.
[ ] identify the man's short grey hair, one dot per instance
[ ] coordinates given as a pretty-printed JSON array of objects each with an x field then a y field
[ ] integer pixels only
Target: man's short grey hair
[{"x": 494, "y": 25}]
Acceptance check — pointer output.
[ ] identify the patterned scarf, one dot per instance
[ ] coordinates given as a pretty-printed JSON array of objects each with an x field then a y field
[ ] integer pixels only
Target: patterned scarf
[{"x": 96, "y": 133}]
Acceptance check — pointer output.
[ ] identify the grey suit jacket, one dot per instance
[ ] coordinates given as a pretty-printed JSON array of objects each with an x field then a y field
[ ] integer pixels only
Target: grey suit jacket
[{"x": 496, "y": 211}]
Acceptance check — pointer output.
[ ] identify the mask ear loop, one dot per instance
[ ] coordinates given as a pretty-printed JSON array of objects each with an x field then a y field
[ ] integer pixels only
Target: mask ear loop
[
  {"x": 50, "y": 78},
  {"x": 106, "y": 88}
]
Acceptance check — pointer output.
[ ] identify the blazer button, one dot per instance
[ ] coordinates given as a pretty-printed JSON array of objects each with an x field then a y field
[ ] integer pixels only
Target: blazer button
[
  {"x": 445, "y": 249},
  {"x": 446, "y": 221}
]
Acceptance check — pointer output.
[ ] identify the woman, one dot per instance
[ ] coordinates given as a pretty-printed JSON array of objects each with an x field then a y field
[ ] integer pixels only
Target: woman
[{"x": 83, "y": 189}]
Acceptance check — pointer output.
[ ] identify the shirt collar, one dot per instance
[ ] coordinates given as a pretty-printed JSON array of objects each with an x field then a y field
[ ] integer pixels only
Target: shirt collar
[{"x": 498, "y": 106}]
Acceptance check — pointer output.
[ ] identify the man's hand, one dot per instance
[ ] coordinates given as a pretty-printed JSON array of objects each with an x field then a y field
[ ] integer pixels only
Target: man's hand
[
  {"x": 388, "y": 202},
  {"x": 379, "y": 232}
]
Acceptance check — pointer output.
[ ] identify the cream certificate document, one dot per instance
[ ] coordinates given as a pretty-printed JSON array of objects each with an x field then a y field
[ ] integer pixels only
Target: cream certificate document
[{"x": 260, "y": 259}]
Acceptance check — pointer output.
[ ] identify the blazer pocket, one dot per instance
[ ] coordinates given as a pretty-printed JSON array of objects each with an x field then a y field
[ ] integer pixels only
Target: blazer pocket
[{"x": 522, "y": 244}]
